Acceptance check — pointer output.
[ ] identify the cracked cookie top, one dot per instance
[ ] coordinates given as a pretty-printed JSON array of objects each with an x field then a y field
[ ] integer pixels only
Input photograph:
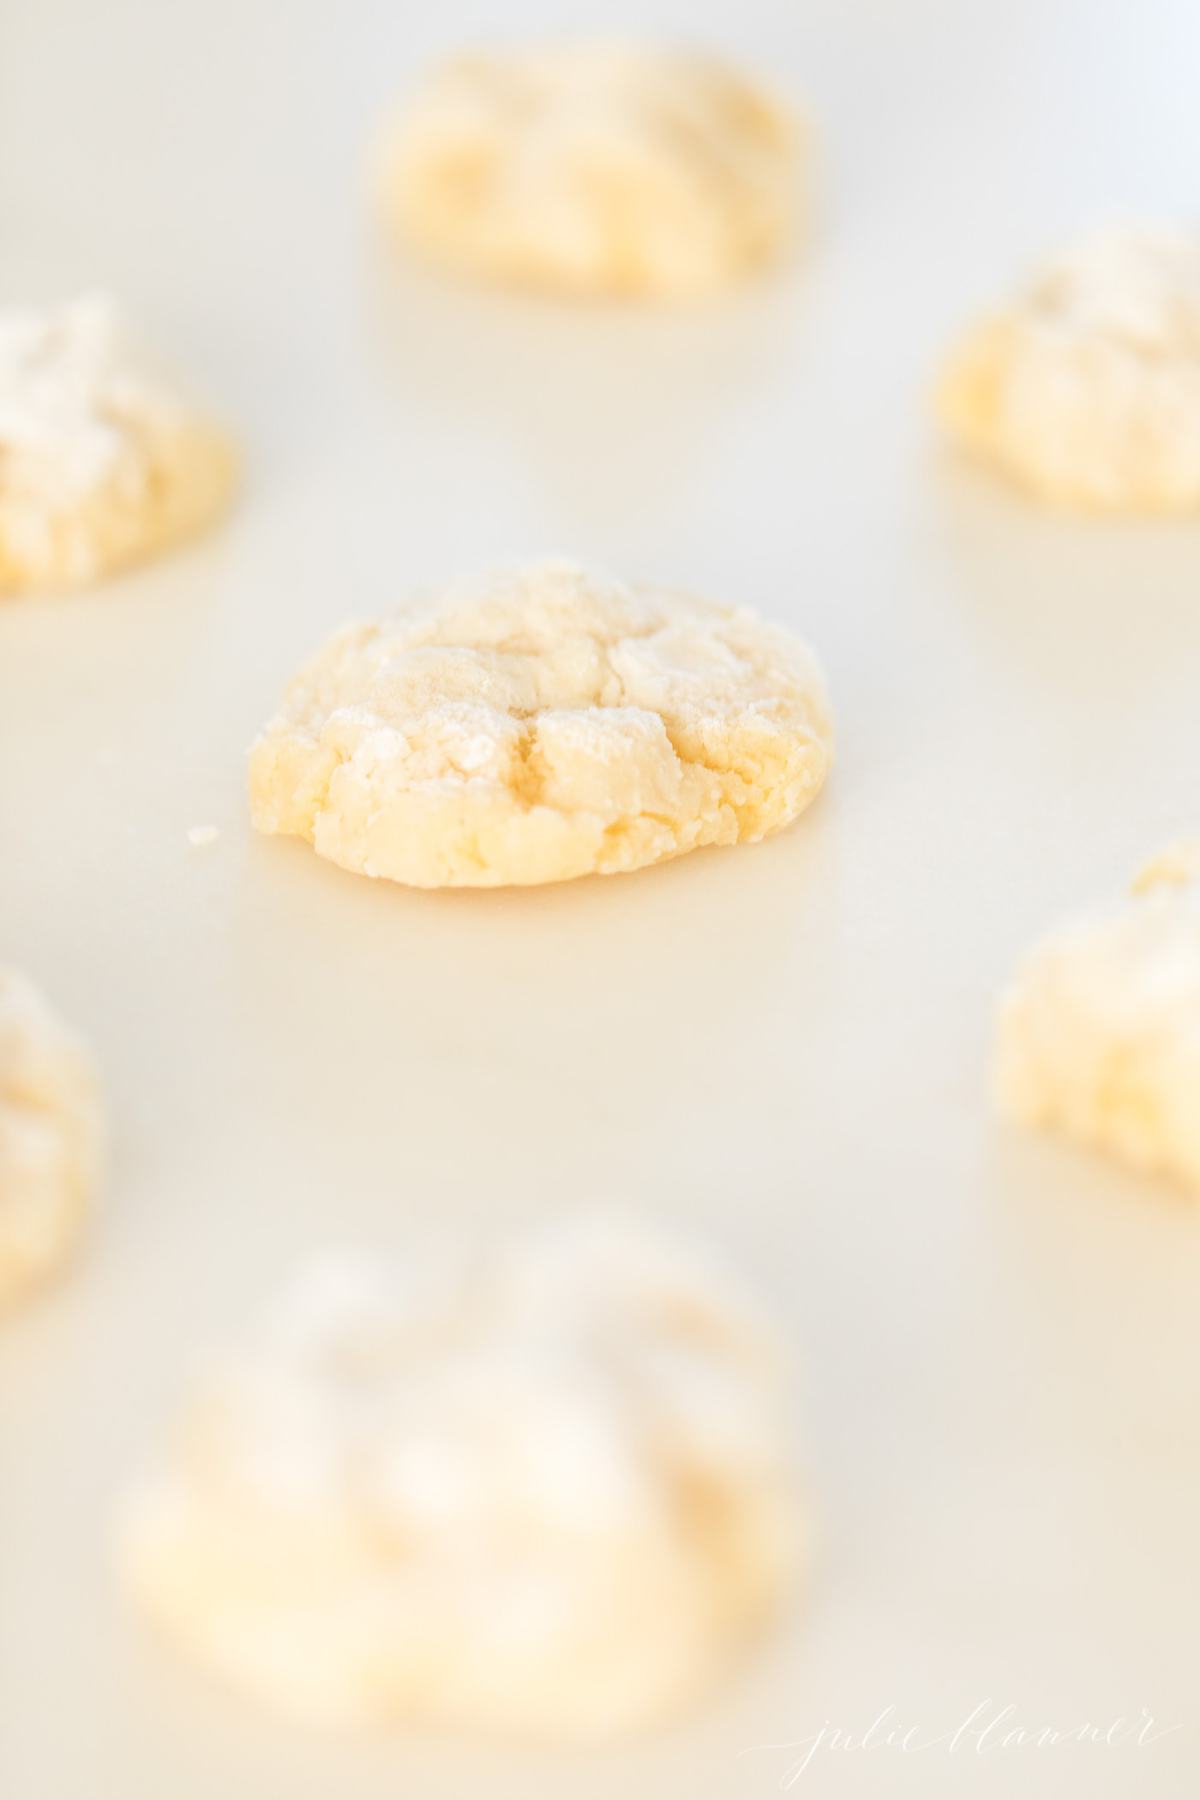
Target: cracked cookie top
[
  {"x": 607, "y": 169},
  {"x": 542, "y": 723}
]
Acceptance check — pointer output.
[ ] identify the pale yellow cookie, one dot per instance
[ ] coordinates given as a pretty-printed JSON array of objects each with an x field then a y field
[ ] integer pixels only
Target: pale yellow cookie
[
  {"x": 545, "y": 1490},
  {"x": 1100, "y": 1031},
  {"x": 595, "y": 169},
  {"x": 101, "y": 463},
  {"x": 50, "y": 1137},
  {"x": 1087, "y": 389},
  {"x": 543, "y": 723}
]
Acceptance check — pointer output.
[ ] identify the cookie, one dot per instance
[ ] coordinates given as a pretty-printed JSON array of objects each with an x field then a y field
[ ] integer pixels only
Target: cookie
[
  {"x": 101, "y": 463},
  {"x": 1086, "y": 391},
  {"x": 51, "y": 1137},
  {"x": 540, "y": 724},
  {"x": 594, "y": 170},
  {"x": 1100, "y": 1031},
  {"x": 544, "y": 1490}
]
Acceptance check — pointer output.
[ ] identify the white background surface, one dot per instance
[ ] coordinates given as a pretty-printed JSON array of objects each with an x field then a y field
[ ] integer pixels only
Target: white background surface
[{"x": 784, "y": 1046}]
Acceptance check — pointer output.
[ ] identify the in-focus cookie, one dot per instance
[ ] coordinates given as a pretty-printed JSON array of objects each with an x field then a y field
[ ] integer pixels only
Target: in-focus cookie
[
  {"x": 539, "y": 724},
  {"x": 50, "y": 1137},
  {"x": 101, "y": 462},
  {"x": 546, "y": 1491},
  {"x": 595, "y": 169},
  {"x": 1087, "y": 389},
  {"x": 1100, "y": 1031}
]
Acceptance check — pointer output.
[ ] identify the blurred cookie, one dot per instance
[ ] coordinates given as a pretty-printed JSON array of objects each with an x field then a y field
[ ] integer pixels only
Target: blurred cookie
[
  {"x": 546, "y": 1490},
  {"x": 101, "y": 463},
  {"x": 595, "y": 169},
  {"x": 50, "y": 1137},
  {"x": 1100, "y": 1030},
  {"x": 1087, "y": 389}
]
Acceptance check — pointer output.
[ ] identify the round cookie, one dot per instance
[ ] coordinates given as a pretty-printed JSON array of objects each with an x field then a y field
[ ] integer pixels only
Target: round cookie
[
  {"x": 1087, "y": 390},
  {"x": 545, "y": 1490},
  {"x": 1100, "y": 1031},
  {"x": 594, "y": 169},
  {"x": 50, "y": 1137},
  {"x": 540, "y": 724},
  {"x": 101, "y": 464}
]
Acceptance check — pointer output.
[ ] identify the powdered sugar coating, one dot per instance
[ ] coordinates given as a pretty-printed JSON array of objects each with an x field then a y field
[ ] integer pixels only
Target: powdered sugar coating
[
  {"x": 50, "y": 1137},
  {"x": 1087, "y": 390},
  {"x": 545, "y": 1489},
  {"x": 100, "y": 461},
  {"x": 543, "y": 723},
  {"x": 1100, "y": 1031},
  {"x": 609, "y": 169}
]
